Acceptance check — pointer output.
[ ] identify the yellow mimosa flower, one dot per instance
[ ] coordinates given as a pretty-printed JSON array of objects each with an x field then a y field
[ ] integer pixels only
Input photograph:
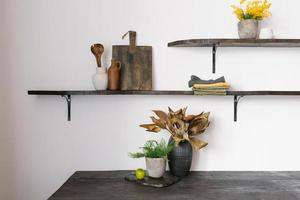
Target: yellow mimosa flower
[
  {"x": 254, "y": 9},
  {"x": 238, "y": 12}
]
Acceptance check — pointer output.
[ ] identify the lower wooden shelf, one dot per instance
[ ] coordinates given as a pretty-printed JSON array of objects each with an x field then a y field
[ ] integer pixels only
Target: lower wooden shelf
[
  {"x": 153, "y": 92},
  {"x": 108, "y": 92},
  {"x": 236, "y": 94}
]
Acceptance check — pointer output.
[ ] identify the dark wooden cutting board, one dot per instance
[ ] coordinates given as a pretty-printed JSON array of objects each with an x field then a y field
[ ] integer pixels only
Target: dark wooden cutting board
[{"x": 136, "y": 69}]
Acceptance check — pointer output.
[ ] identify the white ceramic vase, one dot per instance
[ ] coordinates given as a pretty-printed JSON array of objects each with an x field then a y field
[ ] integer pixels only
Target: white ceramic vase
[
  {"x": 266, "y": 33},
  {"x": 100, "y": 78},
  {"x": 156, "y": 167}
]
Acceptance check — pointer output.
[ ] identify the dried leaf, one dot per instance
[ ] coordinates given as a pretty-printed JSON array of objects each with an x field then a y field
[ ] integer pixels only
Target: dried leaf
[
  {"x": 147, "y": 126},
  {"x": 197, "y": 129},
  {"x": 205, "y": 115},
  {"x": 184, "y": 111},
  {"x": 151, "y": 127},
  {"x": 199, "y": 124},
  {"x": 197, "y": 144},
  {"x": 178, "y": 114},
  {"x": 155, "y": 130},
  {"x": 161, "y": 114},
  {"x": 159, "y": 122},
  {"x": 188, "y": 118}
]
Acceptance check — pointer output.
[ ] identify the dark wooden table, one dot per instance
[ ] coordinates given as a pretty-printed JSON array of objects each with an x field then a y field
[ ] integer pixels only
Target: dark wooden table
[{"x": 111, "y": 185}]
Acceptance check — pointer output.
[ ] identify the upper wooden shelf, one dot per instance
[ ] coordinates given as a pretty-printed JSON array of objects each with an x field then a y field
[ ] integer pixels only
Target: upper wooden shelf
[
  {"x": 214, "y": 43},
  {"x": 236, "y": 43}
]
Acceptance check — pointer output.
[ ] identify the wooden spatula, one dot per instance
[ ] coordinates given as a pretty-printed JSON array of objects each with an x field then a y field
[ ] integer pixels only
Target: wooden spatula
[{"x": 97, "y": 50}]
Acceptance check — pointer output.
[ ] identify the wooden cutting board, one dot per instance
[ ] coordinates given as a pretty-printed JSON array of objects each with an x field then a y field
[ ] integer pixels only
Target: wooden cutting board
[{"x": 136, "y": 69}]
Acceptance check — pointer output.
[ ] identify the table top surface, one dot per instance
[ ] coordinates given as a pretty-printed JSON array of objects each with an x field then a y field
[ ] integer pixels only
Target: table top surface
[{"x": 92, "y": 185}]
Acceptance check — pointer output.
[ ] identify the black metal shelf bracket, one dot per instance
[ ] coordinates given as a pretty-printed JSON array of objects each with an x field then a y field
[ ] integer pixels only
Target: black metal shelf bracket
[
  {"x": 69, "y": 100},
  {"x": 237, "y": 98},
  {"x": 214, "y": 52}
]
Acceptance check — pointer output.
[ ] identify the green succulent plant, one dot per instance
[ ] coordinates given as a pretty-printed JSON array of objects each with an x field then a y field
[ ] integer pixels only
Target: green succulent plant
[{"x": 153, "y": 149}]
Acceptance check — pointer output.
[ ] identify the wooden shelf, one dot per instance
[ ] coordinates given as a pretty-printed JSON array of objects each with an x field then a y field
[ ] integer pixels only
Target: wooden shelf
[
  {"x": 215, "y": 43},
  {"x": 67, "y": 94},
  {"x": 108, "y": 92},
  {"x": 153, "y": 92},
  {"x": 236, "y": 43}
]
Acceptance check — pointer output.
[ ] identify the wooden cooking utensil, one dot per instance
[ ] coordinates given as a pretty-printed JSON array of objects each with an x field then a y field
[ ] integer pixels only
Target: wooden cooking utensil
[{"x": 97, "y": 50}]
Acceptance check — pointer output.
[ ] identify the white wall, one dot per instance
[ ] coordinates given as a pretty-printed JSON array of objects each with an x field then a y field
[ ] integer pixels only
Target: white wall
[{"x": 45, "y": 45}]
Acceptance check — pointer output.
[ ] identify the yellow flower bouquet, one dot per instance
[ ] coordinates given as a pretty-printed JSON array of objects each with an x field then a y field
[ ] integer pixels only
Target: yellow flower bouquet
[
  {"x": 249, "y": 13},
  {"x": 252, "y": 9}
]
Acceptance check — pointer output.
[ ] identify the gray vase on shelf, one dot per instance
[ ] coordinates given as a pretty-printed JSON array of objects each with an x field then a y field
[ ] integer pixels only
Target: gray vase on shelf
[{"x": 248, "y": 29}]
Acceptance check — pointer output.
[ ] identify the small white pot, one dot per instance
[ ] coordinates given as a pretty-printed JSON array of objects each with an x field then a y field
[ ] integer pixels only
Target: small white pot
[
  {"x": 156, "y": 167},
  {"x": 266, "y": 33},
  {"x": 100, "y": 79}
]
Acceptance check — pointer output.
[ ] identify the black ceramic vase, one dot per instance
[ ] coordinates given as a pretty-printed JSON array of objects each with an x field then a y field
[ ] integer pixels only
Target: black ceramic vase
[{"x": 180, "y": 158}]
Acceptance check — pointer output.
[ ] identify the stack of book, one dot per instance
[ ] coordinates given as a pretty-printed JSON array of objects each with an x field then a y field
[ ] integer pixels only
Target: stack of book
[{"x": 209, "y": 87}]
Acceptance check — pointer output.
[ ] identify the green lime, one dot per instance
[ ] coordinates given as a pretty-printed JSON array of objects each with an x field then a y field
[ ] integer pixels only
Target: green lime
[{"x": 139, "y": 174}]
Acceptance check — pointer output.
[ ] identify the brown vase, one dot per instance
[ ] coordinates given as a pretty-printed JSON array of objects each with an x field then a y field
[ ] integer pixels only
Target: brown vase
[{"x": 114, "y": 75}]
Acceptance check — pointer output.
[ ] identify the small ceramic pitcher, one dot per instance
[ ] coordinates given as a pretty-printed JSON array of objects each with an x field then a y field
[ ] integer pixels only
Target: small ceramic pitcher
[{"x": 114, "y": 75}]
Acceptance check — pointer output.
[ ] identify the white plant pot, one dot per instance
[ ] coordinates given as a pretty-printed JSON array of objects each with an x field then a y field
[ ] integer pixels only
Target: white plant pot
[
  {"x": 100, "y": 79},
  {"x": 248, "y": 29},
  {"x": 156, "y": 167}
]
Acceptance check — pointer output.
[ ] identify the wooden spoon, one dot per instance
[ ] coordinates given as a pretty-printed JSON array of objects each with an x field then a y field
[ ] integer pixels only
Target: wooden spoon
[{"x": 97, "y": 50}]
